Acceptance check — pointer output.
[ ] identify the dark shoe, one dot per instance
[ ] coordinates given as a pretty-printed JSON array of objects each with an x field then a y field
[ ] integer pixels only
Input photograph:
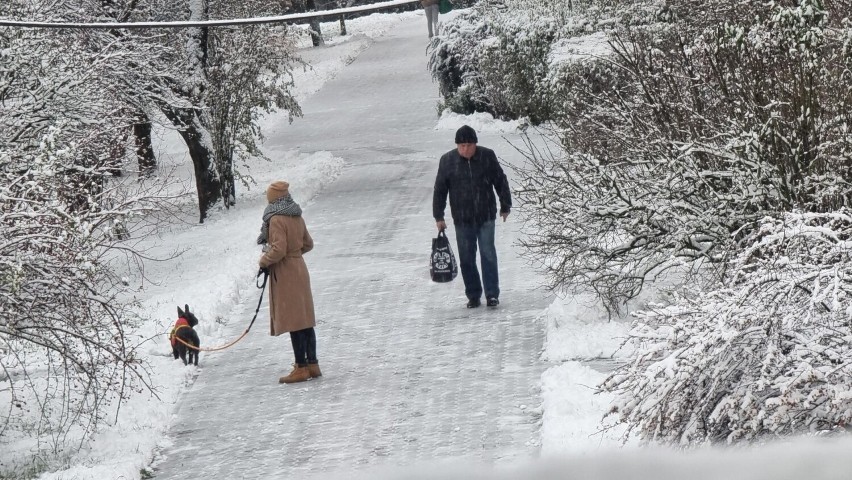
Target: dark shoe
[
  {"x": 473, "y": 303},
  {"x": 493, "y": 302}
]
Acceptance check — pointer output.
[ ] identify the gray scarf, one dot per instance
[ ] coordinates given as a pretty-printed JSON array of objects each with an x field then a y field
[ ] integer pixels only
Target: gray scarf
[{"x": 283, "y": 206}]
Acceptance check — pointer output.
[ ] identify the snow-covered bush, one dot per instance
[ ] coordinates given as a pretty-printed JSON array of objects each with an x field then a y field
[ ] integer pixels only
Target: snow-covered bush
[
  {"x": 498, "y": 57},
  {"x": 494, "y": 58},
  {"x": 767, "y": 354},
  {"x": 679, "y": 154},
  {"x": 513, "y": 64},
  {"x": 67, "y": 346},
  {"x": 67, "y": 351},
  {"x": 693, "y": 129},
  {"x": 453, "y": 62}
]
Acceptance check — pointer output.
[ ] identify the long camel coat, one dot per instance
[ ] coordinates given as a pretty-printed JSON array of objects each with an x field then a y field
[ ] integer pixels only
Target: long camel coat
[{"x": 291, "y": 304}]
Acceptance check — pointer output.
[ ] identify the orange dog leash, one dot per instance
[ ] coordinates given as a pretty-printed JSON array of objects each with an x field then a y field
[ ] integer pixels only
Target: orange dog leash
[{"x": 228, "y": 345}]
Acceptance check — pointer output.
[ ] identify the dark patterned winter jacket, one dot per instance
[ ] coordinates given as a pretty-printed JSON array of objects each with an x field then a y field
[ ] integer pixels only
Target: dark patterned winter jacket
[{"x": 471, "y": 185}]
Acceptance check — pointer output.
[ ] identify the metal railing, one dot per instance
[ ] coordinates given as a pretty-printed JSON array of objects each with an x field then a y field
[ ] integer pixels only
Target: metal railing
[{"x": 334, "y": 14}]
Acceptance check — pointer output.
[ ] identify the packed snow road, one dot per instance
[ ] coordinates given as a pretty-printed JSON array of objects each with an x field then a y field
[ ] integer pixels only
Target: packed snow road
[{"x": 410, "y": 375}]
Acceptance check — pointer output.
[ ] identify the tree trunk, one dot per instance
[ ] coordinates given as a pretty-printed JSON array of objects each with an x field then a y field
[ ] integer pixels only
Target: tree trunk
[
  {"x": 195, "y": 136},
  {"x": 316, "y": 31},
  {"x": 144, "y": 149},
  {"x": 227, "y": 187},
  {"x": 206, "y": 180},
  {"x": 194, "y": 132}
]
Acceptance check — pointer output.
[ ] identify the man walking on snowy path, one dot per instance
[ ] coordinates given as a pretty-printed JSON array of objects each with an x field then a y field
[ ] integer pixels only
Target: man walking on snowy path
[{"x": 470, "y": 175}]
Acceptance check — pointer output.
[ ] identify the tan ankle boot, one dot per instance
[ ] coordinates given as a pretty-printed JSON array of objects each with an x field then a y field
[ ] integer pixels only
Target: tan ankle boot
[
  {"x": 314, "y": 370},
  {"x": 299, "y": 374}
]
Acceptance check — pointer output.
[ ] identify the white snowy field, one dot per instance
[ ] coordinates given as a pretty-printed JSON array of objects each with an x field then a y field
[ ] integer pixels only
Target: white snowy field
[{"x": 215, "y": 274}]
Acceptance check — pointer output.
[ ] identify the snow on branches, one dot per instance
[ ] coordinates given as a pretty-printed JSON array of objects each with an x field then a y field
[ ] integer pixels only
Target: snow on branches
[
  {"x": 767, "y": 354},
  {"x": 66, "y": 347},
  {"x": 700, "y": 121},
  {"x": 493, "y": 58},
  {"x": 677, "y": 154},
  {"x": 75, "y": 200}
]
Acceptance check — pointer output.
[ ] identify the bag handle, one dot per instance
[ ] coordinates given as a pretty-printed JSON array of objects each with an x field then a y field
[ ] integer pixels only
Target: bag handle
[{"x": 442, "y": 233}]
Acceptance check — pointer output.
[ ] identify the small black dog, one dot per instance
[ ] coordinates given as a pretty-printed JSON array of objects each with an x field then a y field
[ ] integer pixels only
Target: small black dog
[{"x": 184, "y": 331}]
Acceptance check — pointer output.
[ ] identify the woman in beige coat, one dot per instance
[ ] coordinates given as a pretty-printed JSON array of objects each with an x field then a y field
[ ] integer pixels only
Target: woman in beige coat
[{"x": 291, "y": 305}]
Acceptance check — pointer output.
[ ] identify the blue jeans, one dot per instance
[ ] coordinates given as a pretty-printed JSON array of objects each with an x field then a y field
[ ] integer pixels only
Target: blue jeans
[{"x": 467, "y": 237}]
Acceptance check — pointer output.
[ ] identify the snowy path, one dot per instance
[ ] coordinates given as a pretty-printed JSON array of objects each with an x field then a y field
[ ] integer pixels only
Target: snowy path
[{"x": 410, "y": 374}]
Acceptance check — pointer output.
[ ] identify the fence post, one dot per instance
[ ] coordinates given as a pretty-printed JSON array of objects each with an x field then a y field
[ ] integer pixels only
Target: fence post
[{"x": 342, "y": 26}]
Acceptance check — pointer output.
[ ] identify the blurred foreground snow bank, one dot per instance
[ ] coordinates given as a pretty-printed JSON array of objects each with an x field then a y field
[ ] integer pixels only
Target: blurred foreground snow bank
[{"x": 797, "y": 459}]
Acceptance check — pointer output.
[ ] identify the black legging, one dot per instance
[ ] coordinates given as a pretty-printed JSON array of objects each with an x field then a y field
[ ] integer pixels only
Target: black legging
[{"x": 304, "y": 346}]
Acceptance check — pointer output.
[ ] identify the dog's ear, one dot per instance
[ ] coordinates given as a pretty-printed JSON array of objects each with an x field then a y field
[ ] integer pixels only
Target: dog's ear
[
  {"x": 185, "y": 306},
  {"x": 180, "y": 313}
]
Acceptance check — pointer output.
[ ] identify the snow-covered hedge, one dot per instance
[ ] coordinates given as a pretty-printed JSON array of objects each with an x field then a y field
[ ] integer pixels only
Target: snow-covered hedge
[
  {"x": 680, "y": 153},
  {"x": 689, "y": 132},
  {"x": 68, "y": 353},
  {"x": 495, "y": 58},
  {"x": 767, "y": 354},
  {"x": 507, "y": 58},
  {"x": 453, "y": 62}
]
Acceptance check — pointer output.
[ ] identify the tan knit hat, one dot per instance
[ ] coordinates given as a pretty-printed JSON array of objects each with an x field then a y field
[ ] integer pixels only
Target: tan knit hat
[{"x": 277, "y": 190}]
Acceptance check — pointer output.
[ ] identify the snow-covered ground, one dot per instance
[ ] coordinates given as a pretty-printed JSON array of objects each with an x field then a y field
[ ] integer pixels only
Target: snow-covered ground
[{"x": 215, "y": 271}]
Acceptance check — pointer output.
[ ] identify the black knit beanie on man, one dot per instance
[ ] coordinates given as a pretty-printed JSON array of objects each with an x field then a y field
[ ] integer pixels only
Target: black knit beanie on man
[{"x": 465, "y": 135}]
